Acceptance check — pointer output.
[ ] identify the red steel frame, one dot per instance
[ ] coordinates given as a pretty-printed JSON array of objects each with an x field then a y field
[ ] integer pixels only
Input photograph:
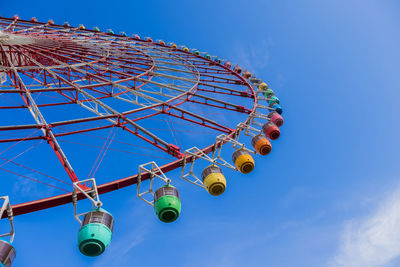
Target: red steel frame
[{"x": 207, "y": 80}]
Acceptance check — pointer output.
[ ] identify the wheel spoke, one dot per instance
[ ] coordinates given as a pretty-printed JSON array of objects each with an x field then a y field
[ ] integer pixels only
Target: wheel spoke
[{"x": 87, "y": 83}]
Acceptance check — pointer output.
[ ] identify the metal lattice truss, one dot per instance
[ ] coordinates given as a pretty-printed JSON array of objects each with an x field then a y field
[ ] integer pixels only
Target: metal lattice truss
[
  {"x": 223, "y": 139},
  {"x": 248, "y": 130},
  {"x": 116, "y": 81},
  {"x": 189, "y": 175},
  {"x": 194, "y": 153},
  {"x": 152, "y": 169},
  {"x": 87, "y": 189},
  {"x": 6, "y": 211},
  {"x": 258, "y": 118}
]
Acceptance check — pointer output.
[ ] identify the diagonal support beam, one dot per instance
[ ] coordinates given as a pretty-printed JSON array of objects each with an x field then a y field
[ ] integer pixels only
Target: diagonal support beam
[
  {"x": 38, "y": 117},
  {"x": 157, "y": 141}
]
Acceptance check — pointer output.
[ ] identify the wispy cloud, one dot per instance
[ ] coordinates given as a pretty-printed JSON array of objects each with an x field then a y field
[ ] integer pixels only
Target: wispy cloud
[
  {"x": 373, "y": 240},
  {"x": 121, "y": 249},
  {"x": 25, "y": 189},
  {"x": 254, "y": 57}
]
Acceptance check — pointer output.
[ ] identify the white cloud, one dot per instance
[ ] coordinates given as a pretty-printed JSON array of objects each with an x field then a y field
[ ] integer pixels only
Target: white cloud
[
  {"x": 254, "y": 57},
  {"x": 374, "y": 240},
  {"x": 25, "y": 189},
  {"x": 121, "y": 249},
  {"x": 117, "y": 255}
]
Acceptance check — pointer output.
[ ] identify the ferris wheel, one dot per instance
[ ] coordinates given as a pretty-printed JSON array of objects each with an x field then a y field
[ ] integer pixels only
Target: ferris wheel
[{"x": 77, "y": 99}]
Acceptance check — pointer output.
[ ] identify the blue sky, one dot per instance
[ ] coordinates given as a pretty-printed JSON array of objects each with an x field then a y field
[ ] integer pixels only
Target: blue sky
[{"x": 328, "y": 195}]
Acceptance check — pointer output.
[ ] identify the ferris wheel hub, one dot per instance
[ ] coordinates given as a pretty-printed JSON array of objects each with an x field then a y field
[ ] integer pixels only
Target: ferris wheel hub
[{"x": 14, "y": 39}]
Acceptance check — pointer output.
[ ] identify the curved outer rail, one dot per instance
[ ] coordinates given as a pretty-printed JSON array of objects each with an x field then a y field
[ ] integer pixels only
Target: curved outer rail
[{"x": 46, "y": 203}]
